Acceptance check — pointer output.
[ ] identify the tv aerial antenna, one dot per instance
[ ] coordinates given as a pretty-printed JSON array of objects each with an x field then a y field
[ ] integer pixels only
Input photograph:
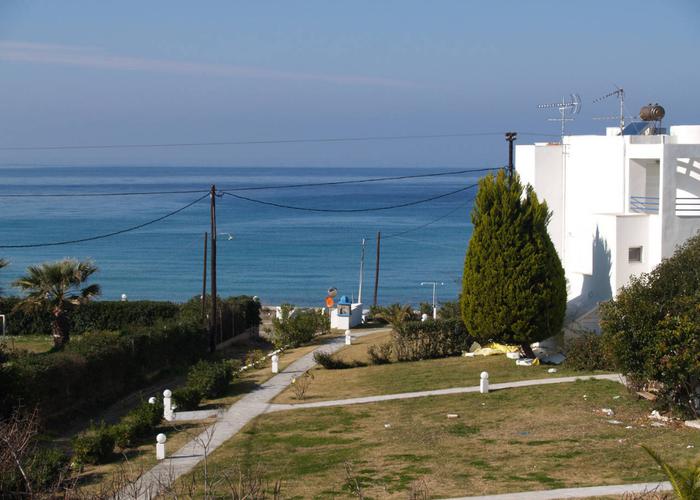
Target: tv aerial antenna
[
  {"x": 620, "y": 94},
  {"x": 566, "y": 110}
]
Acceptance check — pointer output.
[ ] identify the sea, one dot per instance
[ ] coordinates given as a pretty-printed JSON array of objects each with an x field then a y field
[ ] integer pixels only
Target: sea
[{"x": 277, "y": 253}]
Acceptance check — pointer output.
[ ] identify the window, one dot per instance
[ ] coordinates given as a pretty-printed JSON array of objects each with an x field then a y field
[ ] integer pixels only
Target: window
[{"x": 635, "y": 254}]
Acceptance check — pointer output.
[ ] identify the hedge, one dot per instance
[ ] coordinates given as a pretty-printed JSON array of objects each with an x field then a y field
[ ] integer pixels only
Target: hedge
[
  {"x": 98, "y": 369},
  {"x": 429, "y": 339},
  {"x": 97, "y": 315}
]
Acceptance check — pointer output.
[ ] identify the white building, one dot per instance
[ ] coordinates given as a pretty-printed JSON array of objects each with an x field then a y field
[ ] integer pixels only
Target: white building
[{"x": 620, "y": 204}]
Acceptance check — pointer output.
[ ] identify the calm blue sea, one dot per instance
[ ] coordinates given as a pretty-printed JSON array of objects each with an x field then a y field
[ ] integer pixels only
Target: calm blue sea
[{"x": 278, "y": 254}]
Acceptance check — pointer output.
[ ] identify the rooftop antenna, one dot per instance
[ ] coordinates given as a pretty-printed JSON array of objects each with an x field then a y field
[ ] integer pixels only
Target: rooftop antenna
[
  {"x": 571, "y": 107},
  {"x": 620, "y": 94}
]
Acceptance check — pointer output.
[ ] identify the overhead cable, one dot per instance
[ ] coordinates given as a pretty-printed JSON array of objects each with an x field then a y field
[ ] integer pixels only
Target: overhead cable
[
  {"x": 349, "y": 210},
  {"x": 107, "y": 235}
]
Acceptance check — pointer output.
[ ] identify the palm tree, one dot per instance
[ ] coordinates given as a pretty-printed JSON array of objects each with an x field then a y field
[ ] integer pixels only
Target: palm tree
[
  {"x": 685, "y": 482},
  {"x": 396, "y": 314},
  {"x": 57, "y": 287}
]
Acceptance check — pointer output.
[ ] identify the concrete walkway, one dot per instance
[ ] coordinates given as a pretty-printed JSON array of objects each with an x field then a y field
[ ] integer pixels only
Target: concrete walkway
[
  {"x": 591, "y": 491},
  {"x": 160, "y": 477},
  {"x": 440, "y": 392}
]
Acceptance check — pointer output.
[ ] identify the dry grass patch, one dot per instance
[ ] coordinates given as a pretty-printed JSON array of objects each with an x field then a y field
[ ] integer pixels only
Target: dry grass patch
[
  {"x": 542, "y": 437},
  {"x": 411, "y": 376}
]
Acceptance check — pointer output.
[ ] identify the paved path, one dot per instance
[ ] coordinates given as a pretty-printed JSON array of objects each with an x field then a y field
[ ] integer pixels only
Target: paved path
[
  {"x": 591, "y": 491},
  {"x": 439, "y": 392},
  {"x": 231, "y": 421}
]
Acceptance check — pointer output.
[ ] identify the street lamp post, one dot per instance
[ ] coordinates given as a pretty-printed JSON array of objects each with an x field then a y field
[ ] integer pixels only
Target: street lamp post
[{"x": 435, "y": 284}]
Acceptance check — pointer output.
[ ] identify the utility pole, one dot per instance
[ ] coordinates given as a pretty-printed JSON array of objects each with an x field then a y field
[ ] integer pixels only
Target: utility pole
[
  {"x": 204, "y": 279},
  {"x": 435, "y": 284},
  {"x": 362, "y": 271},
  {"x": 510, "y": 137},
  {"x": 376, "y": 272},
  {"x": 213, "y": 320}
]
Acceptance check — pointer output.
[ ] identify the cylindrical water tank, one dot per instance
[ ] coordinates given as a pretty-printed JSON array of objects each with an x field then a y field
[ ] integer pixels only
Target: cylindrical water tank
[{"x": 652, "y": 112}]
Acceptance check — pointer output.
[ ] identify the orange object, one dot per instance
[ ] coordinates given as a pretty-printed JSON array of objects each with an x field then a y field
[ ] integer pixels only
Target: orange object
[{"x": 329, "y": 301}]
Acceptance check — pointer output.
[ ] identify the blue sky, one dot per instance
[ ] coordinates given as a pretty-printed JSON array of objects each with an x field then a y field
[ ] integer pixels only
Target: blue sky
[{"x": 86, "y": 72}]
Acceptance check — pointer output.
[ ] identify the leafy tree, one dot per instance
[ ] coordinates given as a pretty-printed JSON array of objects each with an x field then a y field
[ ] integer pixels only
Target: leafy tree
[
  {"x": 57, "y": 286},
  {"x": 295, "y": 328},
  {"x": 652, "y": 327},
  {"x": 513, "y": 288}
]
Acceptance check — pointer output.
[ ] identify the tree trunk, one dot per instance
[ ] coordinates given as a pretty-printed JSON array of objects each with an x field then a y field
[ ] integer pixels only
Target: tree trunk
[
  {"x": 60, "y": 328},
  {"x": 527, "y": 350}
]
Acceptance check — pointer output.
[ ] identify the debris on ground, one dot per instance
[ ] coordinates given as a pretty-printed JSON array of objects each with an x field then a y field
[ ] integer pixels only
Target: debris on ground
[
  {"x": 655, "y": 415},
  {"x": 614, "y": 422},
  {"x": 647, "y": 395},
  {"x": 552, "y": 370},
  {"x": 527, "y": 362},
  {"x": 452, "y": 415},
  {"x": 387, "y": 426},
  {"x": 658, "y": 424},
  {"x": 608, "y": 412},
  {"x": 616, "y": 397}
]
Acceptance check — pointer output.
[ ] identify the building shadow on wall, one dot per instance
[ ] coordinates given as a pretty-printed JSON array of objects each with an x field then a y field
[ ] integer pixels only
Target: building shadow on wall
[{"x": 596, "y": 286}]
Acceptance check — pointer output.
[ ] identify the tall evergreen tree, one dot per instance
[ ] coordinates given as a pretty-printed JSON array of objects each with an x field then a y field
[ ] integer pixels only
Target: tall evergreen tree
[{"x": 513, "y": 288}]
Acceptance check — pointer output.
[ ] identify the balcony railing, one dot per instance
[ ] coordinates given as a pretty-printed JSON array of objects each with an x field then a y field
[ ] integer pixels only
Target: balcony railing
[
  {"x": 644, "y": 204},
  {"x": 688, "y": 206}
]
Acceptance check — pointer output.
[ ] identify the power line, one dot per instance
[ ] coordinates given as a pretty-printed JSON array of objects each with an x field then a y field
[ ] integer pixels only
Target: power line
[
  {"x": 423, "y": 226},
  {"x": 82, "y": 195},
  {"x": 350, "y": 210},
  {"x": 107, "y": 235},
  {"x": 261, "y": 142}
]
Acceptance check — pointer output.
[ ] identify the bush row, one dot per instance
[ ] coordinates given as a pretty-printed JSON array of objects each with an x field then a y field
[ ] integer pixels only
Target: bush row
[
  {"x": 206, "y": 379},
  {"x": 97, "y": 369},
  {"x": 97, "y": 315},
  {"x": 415, "y": 340},
  {"x": 295, "y": 327},
  {"x": 238, "y": 314}
]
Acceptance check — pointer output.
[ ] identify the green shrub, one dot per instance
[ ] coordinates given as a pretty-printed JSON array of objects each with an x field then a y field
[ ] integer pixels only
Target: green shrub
[
  {"x": 295, "y": 329},
  {"x": 588, "y": 351},
  {"x": 94, "y": 315},
  {"x": 98, "y": 369},
  {"x": 430, "y": 339},
  {"x": 330, "y": 362},
  {"x": 94, "y": 446},
  {"x": 47, "y": 468},
  {"x": 139, "y": 423},
  {"x": 652, "y": 328},
  {"x": 380, "y": 354},
  {"x": 211, "y": 378},
  {"x": 513, "y": 286},
  {"x": 187, "y": 398}
]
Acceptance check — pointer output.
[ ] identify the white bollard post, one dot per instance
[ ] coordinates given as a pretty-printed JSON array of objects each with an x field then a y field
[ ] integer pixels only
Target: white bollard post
[
  {"x": 152, "y": 400},
  {"x": 348, "y": 337},
  {"x": 275, "y": 363},
  {"x": 167, "y": 405},
  {"x": 424, "y": 317},
  {"x": 484, "y": 386},
  {"x": 160, "y": 446}
]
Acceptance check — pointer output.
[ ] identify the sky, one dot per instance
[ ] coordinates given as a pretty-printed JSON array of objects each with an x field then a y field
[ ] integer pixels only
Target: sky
[{"x": 133, "y": 72}]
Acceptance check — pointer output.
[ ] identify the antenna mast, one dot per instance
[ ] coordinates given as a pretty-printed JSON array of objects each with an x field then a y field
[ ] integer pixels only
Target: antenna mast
[
  {"x": 572, "y": 107},
  {"x": 620, "y": 94}
]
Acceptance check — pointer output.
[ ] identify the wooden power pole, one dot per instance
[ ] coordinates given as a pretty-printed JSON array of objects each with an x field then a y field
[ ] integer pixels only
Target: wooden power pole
[
  {"x": 204, "y": 279},
  {"x": 376, "y": 272},
  {"x": 510, "y": 137},
  {"x": 213, "y": 319}
]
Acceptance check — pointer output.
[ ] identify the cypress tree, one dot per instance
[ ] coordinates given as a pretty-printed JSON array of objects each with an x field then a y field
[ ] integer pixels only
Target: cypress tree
[{"x": 513, "y": 288}]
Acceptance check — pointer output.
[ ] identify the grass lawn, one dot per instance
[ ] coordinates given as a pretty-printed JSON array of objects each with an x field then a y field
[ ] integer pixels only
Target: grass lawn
[
  {"x": 142, "y": 458},
  {"x": 511, "y": 440},
  {"x": 411, "y": 376},
  {"x": 31, "y": 343}
]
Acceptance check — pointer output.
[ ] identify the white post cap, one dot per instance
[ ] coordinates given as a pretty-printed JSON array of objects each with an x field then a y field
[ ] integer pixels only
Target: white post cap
[
  {"x": 484, "y": 375},
  {"x": 167, "y": 393},
  {"x": 152, "y": 400},
  {"x": 160, "y": 438}
]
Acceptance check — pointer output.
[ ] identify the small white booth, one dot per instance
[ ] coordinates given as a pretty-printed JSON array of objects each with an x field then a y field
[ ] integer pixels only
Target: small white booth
[{"x": 346, "y": 315}]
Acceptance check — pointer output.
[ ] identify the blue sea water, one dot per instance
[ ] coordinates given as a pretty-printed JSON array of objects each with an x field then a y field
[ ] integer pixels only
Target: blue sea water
[{"x": 281, "y": 255}]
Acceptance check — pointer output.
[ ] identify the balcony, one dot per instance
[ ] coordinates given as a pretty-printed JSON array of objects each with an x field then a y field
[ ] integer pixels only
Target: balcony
[
  {"x": 687, "y": 206},
  {"x": 644, "y": 204}
]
